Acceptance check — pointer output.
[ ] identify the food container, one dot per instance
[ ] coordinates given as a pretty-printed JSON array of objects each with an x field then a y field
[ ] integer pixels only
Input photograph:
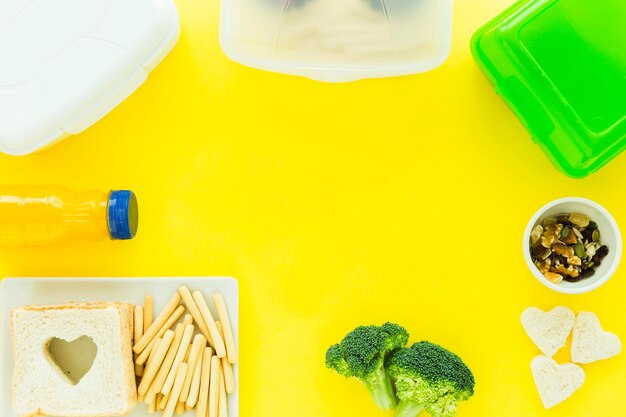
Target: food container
[
  {"x": 610, "y": 236},
  {"x": 561, "y": 67},
  {"x": 338, "y": 40},
  {"x": 65, "y": 64}
]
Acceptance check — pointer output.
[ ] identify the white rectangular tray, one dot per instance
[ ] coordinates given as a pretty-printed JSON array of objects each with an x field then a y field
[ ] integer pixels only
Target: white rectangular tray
[{"x": 18, "y": 292}]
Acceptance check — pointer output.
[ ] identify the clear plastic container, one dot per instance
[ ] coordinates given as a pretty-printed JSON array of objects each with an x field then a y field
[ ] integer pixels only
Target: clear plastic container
[
  {"x": 52, "y": 215},
  {"x": 561, "y": 67},
  {"x": 338, "y": 40}
]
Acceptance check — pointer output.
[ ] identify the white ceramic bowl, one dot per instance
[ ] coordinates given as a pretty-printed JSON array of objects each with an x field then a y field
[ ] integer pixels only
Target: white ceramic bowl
[{"x": 609, "y": 236}]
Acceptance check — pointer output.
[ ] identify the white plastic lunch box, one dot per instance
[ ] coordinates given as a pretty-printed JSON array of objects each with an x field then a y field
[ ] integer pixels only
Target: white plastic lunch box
[
  {"x": 338, "y": 40},
  {"x": 65, "y": 64}
]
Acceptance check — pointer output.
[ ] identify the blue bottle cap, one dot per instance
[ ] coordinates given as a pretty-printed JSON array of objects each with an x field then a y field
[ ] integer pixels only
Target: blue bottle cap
[{"x": 123, "y": 214}]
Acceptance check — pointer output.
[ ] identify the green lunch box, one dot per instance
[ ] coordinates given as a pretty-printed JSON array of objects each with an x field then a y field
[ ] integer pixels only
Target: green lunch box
[{"x": 561, "y": 67}]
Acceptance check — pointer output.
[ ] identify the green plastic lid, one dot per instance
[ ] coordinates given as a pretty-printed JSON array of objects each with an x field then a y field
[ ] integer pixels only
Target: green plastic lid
[{"x": 561, "y": 67}]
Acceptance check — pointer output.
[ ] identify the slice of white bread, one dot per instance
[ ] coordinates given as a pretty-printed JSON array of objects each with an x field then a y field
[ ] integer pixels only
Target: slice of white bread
[
  {"x": 590, "y": 343},
  {"x": 548, "y": 330},
  {"x": 555, "y": 383},
  {"x": 41, "y": 389}
]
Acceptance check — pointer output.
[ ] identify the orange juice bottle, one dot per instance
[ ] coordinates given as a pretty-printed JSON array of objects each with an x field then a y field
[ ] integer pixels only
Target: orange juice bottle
[{"x": 51, "y": 215}]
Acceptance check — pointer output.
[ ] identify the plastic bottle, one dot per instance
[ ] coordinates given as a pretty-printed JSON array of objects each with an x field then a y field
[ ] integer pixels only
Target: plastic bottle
[{"x": 54, "y": 215}]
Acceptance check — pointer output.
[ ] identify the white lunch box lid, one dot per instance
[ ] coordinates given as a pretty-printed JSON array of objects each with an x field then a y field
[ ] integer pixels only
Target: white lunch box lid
[{"x": 65, "y": 64}]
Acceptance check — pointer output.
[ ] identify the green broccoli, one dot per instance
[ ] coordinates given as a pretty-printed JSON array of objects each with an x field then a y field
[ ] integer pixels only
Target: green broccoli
[
  {"x": 429, "y": 377},
  {"x": 362, "y": 354}
]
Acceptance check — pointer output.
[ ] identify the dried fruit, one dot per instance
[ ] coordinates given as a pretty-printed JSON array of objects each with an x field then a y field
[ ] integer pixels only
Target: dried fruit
[
  {"x": 579, "y": 220},
  {"x": 567, "y": 247},
  {"x": 570, "y": 238},
  {"x": 549, "y": 221},
  {"x": 575, "y": 260},
  {"x": 535, "y": 235},
  {"x": 539, "y": 252},
  {"x": 544, "y": 266},
  {"x": 563, "y": 250},
  {"x": 553, "y": 278}
]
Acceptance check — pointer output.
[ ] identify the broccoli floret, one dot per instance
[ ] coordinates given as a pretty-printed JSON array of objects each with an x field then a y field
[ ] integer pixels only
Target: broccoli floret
[
  {"x": 429, "y": 377},
  {"x": 362, "y": 354}
]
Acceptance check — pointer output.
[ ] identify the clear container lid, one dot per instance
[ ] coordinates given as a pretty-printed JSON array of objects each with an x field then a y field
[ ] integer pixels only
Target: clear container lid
[
  {"x": 338, "y": 40},
  {"x": 561, "y": 67}
]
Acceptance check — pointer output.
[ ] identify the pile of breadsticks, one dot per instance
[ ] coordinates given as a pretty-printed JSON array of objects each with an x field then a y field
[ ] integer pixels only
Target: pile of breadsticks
[{"x": 187, "y": 365}]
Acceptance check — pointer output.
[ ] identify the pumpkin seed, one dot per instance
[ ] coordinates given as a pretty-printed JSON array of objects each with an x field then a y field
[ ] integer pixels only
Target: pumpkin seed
[{"x": 579, "y": 250}]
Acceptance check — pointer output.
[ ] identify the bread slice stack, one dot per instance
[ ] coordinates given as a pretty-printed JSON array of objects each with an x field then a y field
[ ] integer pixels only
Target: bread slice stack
[
  {"x": 40, "y": 387},
  {"x": 550, "y": 331}
]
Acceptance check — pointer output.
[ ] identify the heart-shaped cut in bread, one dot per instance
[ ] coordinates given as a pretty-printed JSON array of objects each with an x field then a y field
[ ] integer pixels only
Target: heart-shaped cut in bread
[
  {"x": 555, "y": 383},
  {"x": 549, "y": 330},
  {"x": 590, "y": 342},
  {"x": 74, "y": 359}
]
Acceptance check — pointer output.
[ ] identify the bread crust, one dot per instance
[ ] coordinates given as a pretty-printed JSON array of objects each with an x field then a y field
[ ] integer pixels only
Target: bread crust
[
  {"x": 126, "y": 316},
  {"x": 101, "y": 305}
]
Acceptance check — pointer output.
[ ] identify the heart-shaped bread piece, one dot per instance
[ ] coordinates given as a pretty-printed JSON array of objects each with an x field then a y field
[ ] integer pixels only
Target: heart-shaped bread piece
[
  {"x": 555, "y": 383},
  {"x": 74, "y": 359},
  {"x": 590, "y": 342},
  {"x": 549, "y": 330}
]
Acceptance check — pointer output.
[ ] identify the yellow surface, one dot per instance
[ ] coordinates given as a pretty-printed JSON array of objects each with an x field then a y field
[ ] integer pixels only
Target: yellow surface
[{"x": 336, "y": 205}]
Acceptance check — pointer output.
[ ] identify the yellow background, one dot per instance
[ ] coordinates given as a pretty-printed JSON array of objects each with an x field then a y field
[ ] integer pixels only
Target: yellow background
[{"x": 399, "y": 199}]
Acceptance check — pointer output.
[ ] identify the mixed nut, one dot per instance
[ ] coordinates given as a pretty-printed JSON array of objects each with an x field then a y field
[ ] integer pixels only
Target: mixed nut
[{"x": 567, "y": 247}]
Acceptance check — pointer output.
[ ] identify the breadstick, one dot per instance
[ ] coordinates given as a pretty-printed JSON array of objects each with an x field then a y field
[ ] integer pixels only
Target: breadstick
[
  {"x": 138, "y": 332},
  {"x": 169, "y": 323},
  {"x": 148, "y": 318},
  {"x": 152, "y": 369},
  {"x": 227, "y": 367},
  {"x": 140, "y": 398},
  {"x": 188, "y": 319},
  {"x": 194, "y": 390},
  {"x": 218, "y": 343},
  {"x": 152, "y": 408},
  {"x": 158, "y": 323},
  {"x": 178, "y": 359},
  {"x": 205, "y": 380},
  {"x": 175, "y": 394},
  {"x": 149, "y": 398},
  {"x": 148, "y": 313},
  {"x": 195, "y": 312},
  {"x": 214, "y": 389},
  {"x": 163, "y": 402},
  {"x": 229, "y": 339},
  {"x": 180, "y": 407},
  {"x": 199, "y": 342},
  {"x": 223, "y": 403},
  {"x": 159, "y": 379},
  {"x": 155, "y": 347}
]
